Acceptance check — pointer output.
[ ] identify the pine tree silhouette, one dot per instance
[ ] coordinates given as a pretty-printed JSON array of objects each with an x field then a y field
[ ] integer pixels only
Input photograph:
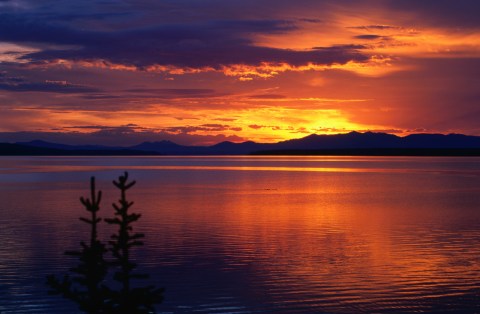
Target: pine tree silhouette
[
  {"x": 85, "y": 286},
  {"x": 129, "y": 299},
  {"x": 88, "y": 285}
]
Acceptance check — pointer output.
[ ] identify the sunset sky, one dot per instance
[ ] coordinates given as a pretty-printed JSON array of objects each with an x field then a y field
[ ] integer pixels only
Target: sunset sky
[{"x": 120, "y": 72}]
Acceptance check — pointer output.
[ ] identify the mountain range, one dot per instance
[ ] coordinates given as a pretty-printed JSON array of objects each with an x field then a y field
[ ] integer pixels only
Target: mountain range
[{"x": 353, "y": 143}]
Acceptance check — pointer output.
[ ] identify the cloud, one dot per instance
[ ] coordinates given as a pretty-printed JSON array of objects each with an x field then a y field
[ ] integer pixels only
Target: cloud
[
  {"x": 376, "y": 27},
  {"x": 174, "y": 93},
  {"x": 368, "y": 37},
  {"x": 389, "y": 131},
  {"x": 268, "y": 96},
  {"x": 96, "y": 96},
  {"x": 19, "y": 84},
  {"x": 257, "y": 127},
  {"x": 136, "y": 129},
  {"x": 210, "y": 45},
  {"x": 443, "y": 13},
  {"x": 225, "y": 119},
  {"x": 290, "y": 129},
  {"x": 209, "y": 127}
]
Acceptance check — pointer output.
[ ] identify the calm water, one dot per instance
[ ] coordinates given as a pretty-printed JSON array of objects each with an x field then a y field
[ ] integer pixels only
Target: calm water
[{"x": 258, "y": 234}]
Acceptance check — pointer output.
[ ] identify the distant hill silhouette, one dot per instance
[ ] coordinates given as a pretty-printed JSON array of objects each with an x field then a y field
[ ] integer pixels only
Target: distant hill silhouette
[
  {"x": 44, "y": 144},
  {"x": 353, "y": 143},
  {"x": 169, "y": 148},
  {"x": 7, "y": 149},
  {"x": 223, "y": 148},
  {"x": 381, "y": 140}
]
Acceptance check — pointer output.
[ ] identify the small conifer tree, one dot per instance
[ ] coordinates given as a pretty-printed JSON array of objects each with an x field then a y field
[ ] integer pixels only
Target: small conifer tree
[
  {"x": 87, "y": 286},
  {"x": 128, "y": 299}
]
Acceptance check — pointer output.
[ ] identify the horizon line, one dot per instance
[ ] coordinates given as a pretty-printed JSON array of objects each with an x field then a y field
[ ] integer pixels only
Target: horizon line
[{"x": 226, "y": 141}]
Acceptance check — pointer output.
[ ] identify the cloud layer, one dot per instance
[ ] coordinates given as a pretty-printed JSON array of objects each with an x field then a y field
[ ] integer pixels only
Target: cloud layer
[{"x": 213, "y": 70}]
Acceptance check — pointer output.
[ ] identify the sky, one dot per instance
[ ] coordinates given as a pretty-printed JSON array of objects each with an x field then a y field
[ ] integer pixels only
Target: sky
[{"x": 199, "y": 72}]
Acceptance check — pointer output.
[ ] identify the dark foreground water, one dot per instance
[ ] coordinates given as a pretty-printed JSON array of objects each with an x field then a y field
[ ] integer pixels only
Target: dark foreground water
[{"x": 258, "y": 234}]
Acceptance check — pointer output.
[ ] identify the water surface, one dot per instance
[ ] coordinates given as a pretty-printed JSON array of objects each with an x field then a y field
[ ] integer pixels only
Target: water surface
[{"x": 258, "y": 234}]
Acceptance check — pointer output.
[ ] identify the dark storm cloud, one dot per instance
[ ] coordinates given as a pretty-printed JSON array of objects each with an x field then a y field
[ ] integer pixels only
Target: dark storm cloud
[
  {"x": 18, "y": 28},
  {"x": 207, "y": 44}
]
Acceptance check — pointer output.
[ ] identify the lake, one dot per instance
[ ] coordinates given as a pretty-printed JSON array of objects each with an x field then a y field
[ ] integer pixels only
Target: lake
[{"x": 244, "y": 234}]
